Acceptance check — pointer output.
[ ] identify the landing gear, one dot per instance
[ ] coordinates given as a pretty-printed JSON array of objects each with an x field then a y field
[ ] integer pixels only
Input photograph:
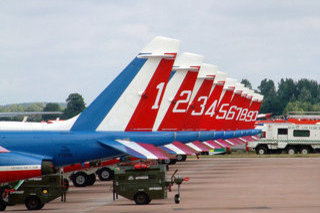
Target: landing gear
[
  {"x": 181, "y": 158},
  {"x": 79, "y": 179},
  {"x": 105, "y": 174},
  {"x": 91, "y": 179}
]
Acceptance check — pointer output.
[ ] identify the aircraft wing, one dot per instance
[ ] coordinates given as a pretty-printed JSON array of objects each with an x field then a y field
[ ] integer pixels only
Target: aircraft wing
[{"x": 135, "y": 149}]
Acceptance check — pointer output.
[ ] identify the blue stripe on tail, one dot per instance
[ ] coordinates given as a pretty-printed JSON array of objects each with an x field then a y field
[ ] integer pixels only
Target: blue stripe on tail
[{"x": 92, "y": 116}]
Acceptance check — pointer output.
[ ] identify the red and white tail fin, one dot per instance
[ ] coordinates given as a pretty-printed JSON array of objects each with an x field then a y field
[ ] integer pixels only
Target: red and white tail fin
[
  {"x": 134, "y": 90},
  {"x": 199, "y": 98},
  {"x": 207, "y": 117},
  {"x": 147, "y": 109},
  {"x": 224, "y": 103},
  {"x": 246, "y": 95},
  {"x": 234, "y": 108},
  {"x": 178, "y": 93},
  {"x": 254, "y": 110}
]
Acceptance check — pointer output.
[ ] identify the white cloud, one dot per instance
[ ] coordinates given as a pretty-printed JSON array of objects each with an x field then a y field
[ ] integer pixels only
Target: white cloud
[{"x": 51, "y": 48}]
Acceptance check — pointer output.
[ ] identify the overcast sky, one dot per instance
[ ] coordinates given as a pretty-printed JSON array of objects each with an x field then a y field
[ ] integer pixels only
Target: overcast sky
[{"x": 49, "y": 49}]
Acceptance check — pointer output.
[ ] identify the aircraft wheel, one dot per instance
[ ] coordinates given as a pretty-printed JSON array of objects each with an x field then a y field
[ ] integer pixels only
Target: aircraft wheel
[
  {"x": 91, "y": 179},
  {"x": 105, "y": 174},
  {"x": 181, "y": 158},
  {"x": 33, "y": 203},
  {"x": 177, "y": 198},
  {"x": 79, "y": 179},
  {"x": 141, "y": 198}
]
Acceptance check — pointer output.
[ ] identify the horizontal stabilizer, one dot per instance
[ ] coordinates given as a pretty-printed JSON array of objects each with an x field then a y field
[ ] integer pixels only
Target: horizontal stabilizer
[
  {"x": 212, "y": 145},
  {"x": 134, "y": 149},
  {"x": 200, "y": 147},
  {"x": 178, "y": 148},
  {"x": 222, "y": 143}
]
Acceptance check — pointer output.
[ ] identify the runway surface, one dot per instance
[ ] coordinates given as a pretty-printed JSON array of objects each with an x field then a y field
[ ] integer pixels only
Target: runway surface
[{"x": 215, "y": 185}]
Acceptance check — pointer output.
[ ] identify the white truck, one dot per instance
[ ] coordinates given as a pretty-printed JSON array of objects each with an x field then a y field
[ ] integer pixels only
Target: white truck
[{"x": 289, "y": 137}]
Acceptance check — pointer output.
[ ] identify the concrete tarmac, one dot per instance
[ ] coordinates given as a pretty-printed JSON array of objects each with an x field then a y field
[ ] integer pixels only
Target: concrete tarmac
[{"x": 215, "y": 185}]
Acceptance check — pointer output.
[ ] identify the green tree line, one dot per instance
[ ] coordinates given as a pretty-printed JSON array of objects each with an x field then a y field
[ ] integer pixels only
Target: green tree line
[
  {"x": 74, "y": 105},
  {"x": 290, "y": 95}
]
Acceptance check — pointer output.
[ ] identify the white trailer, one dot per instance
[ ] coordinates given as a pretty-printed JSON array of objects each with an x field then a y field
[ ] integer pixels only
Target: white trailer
[{"x": 289, "y": 137}]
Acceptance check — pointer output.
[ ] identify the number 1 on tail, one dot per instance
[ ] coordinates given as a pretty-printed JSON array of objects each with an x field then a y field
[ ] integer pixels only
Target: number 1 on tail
[{"x": 160, "y": 90}]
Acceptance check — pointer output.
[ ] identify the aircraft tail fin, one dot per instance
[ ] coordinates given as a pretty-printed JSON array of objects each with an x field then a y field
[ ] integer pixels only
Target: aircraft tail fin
[{"x": 113, "y": 108}]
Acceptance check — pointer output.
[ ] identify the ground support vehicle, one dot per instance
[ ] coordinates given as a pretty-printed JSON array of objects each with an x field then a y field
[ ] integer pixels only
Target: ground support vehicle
[
  {"x": 288, "y": 137},
  {"x": 143, "y": 182},
  {"x": 34, "y": 192},
  {"x": 218, "y": 151}
]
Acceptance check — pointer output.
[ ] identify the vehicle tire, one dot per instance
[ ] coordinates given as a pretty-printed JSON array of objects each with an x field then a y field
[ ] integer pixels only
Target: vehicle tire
[
  {"x": 91, "y": 179},
  {"x": 305, "y": 150},
  {"x": 3, "y": 205},
  {"x": 141, "y": 198},
  {"x": 291, "y": 150},
  {"x": 79, "y": 179},
  {"x": 261, "y": 150},
  {"x": 177, "y": 198},
  {"x": 41, "y": 206},
  {"x": 181, "y": 158},
  {"x": 105, "y": 174},
  {"x": 33, "y": 203}
]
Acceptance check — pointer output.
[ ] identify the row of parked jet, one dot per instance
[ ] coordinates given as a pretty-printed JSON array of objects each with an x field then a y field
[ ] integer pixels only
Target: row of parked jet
[{"x": 161, "y": 100}]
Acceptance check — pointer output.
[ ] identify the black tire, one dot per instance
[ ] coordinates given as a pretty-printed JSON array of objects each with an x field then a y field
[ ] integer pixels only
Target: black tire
[
  {"x": 177, "y": 198},
  {"x": 3, "y": 205},
  {"x": 173, "y": 161},
  {"x": 305, "y": 150},
  {"x": 91, "y": 179},
  {"x": 79, "y": 179},
  {"x": 291, "y": 150},
  {"x": 181, "y": 158},
  {"x": 167, "y": 161},
  {"x": 105, "y": 174},
  {"x": 261, "y": 150},
  {"x": 141, "y": 198},
  {"x": 33, "y": 203}
]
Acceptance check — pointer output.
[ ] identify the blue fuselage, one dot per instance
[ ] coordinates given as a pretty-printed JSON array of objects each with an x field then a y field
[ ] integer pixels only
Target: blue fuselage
[{"x": 69, "y": 147}]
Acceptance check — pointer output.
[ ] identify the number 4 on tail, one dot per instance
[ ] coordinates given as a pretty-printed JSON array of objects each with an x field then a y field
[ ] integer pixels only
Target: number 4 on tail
[{"x": 212, "y": 108}]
